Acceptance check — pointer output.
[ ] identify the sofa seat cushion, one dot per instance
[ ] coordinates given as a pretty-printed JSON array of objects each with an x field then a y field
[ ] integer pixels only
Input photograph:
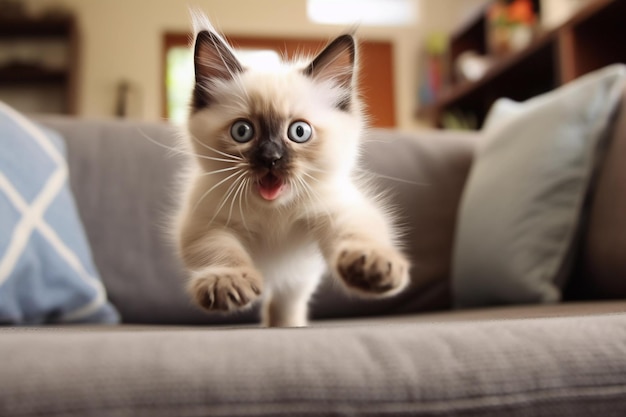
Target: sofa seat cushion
[
  {"x": 512, "y": 312},
  {"x": 550, "y": 366}
]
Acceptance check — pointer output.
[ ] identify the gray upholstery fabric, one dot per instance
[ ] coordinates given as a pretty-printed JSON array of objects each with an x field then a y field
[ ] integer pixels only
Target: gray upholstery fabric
[
  {"x": 123, "y": 187},
  {"x": 424, "y": 177},
  {"x": 533, "y": 367}
]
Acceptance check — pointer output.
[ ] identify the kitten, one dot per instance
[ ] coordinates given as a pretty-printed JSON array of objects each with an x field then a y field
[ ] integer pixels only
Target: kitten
[{"x": 271, "y": 202}]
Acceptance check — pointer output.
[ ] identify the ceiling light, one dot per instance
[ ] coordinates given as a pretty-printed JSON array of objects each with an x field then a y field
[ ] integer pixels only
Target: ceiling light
[{"x": 362, "y": 12}]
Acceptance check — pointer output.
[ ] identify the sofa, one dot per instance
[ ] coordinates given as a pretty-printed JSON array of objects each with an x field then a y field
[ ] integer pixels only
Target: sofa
[{"x": 414, "y": 354}]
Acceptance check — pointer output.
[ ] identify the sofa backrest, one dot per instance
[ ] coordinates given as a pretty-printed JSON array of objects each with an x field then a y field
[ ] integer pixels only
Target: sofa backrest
[
  {"x": 603, "y": 260},
  {"x": 123, "y": 184}
]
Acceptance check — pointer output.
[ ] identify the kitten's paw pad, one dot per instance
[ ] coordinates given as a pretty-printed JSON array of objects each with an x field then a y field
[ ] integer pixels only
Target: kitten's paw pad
[
  {"x": 225, "y": 289},
  {"x": 373, "y": 271}
]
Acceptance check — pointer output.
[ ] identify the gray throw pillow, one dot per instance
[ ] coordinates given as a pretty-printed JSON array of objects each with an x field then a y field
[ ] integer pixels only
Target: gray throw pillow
[{"x": 522, "y": 203}]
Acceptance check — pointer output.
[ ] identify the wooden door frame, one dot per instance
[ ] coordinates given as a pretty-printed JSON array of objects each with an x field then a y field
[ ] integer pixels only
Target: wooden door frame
[{"x": 380, "y": 73}]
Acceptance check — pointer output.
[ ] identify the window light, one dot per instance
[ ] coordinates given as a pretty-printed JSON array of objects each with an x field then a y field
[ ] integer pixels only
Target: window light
[
  {"x": 180, "y": 77},
  {"x": 259, "y": 58},
  {"x": 362, "y": 12}
]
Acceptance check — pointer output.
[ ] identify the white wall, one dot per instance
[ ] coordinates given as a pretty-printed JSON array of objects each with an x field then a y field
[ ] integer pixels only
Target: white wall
[{"x": 121, "y": 40}]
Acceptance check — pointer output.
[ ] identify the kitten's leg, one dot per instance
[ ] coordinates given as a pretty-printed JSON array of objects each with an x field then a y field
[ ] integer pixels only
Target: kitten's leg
[
  {"x": 287, "y": 303},
  {"x": 358, "y": 246},
  {"x": 223, "y": 277},
  {"x": 286, "y": 309}
]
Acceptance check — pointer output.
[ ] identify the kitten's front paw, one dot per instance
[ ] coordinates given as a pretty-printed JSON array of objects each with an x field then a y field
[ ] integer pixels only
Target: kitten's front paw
[
  {"x": 372, "y": 270},
  {"x": 224, "y": 288}
]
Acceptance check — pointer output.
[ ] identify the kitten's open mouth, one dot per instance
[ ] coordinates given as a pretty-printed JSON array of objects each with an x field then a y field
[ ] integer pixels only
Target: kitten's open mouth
[{"x": 271, "y": 186}]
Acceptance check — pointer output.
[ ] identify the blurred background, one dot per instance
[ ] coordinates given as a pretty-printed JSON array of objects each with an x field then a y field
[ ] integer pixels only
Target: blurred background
[{"x": 425, "y": 63}]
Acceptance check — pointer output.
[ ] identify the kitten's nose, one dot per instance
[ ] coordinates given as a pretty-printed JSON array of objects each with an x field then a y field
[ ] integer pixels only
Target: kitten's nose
[
  {"x": 271, "y": 160},
  {"x": 269, "y": 154}
]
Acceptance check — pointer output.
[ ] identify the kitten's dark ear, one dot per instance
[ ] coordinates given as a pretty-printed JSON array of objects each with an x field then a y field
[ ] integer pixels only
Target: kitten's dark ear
[
  {"x": 213, "y": 60},
  {"x": 335, "y": 62}
]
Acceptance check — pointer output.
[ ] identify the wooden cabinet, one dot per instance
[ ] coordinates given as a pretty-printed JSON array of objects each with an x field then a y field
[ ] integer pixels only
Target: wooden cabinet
[
  {"x": 591, "y": 39},
  {"x": 38, "y": 64}
]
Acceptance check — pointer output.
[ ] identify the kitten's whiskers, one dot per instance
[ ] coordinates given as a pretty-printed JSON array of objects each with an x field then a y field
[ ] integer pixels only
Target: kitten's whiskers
[
  {"x": 214, "y": 187},
  {"x": 217, "y": 171},
  {"x": 311, "y": 177},
  {"x": 227, "y": 195},
  {"x": 217, "y": 159},
  {"x": 182, "y": 152},
  {"x": 204, "y": 145},
  {"x": 232, "y": 203},
  {"x": 388, "y": 177},
  {"x": 317, "y": 170},
  {"x": 314, "y": 196},
  {"x": 246, "y": 183}
]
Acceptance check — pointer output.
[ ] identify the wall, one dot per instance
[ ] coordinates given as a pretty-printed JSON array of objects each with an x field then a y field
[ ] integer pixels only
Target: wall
[
  {"x": 121, "y": 40},
  {"x": 555, "y": 12}
]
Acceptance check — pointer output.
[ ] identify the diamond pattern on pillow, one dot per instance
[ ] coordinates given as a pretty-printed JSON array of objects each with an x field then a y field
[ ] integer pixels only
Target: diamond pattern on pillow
[{"x": 46, "y": 271}]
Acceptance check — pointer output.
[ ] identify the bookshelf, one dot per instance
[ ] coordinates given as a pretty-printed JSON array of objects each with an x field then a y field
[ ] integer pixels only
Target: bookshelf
[
  {"x": 38, "y": 66},
  {"x": 592, "y": 38}
]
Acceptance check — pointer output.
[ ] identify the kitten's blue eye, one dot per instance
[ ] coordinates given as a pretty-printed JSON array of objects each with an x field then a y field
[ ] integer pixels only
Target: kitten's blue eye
[
  {"x": 299, "y": 132},
  {"x": 242, "y": 131}
]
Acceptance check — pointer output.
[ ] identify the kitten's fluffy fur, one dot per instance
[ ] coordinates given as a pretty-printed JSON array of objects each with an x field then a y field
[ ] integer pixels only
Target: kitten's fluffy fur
[{"x": 263, "y": 217}]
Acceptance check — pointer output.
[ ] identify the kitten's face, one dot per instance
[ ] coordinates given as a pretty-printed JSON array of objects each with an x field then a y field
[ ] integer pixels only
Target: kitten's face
[{"x": 279, "y": 133}]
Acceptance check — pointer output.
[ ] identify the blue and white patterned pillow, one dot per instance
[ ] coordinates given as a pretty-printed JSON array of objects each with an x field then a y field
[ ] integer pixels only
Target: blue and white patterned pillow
[{"x": 46, "y": 271}]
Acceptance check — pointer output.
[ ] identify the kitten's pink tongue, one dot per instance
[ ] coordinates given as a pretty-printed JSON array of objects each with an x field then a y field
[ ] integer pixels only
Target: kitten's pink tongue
[{"x": 270, "y": 187}]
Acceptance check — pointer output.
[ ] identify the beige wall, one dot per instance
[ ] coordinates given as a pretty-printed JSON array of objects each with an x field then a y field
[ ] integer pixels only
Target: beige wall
[
  {"x": 555, "y": 12},
  {"x": 121, "y": 40}
]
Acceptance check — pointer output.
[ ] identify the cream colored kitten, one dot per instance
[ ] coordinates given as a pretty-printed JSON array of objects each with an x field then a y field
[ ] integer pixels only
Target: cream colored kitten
[{"x": 271, "y": 202}]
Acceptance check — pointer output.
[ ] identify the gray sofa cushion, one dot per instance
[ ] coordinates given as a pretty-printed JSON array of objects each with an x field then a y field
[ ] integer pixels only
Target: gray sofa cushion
[
  {"x": 123, "y": 187},
  {"x": 533, "y": 367}
]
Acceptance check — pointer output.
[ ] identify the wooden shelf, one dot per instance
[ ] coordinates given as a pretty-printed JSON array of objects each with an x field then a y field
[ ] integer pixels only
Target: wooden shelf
[
  {"x": 599, "y": 33},
  {"x": 469, "y": 37},
  {"x": 589, "y": 40},
  {"x": 501, "y": 68},
  {"x": 31, "y": 75},
  {"x": 35, "y": 27},
  {"x": 30, "y": 83}
]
